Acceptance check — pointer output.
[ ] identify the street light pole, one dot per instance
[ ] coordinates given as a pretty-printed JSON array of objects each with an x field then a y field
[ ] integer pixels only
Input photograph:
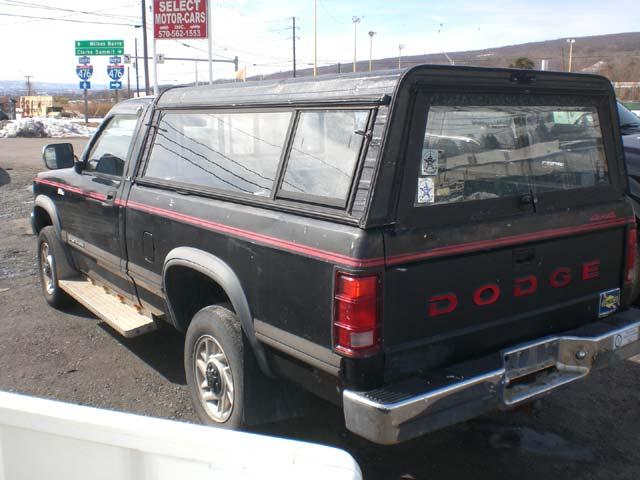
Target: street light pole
[
  {"x": 571, "y": 41},
  {"x": 400, "y": 47},
  {"x": 371, "y": 34},
  {"x": 356, "y": 21}
]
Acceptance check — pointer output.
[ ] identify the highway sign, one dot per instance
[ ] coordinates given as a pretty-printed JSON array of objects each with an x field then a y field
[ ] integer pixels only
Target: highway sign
[
  {"x": 159, "y": 57},
  {"x": 115, "y": 85},
  {"x": 179, "y": 19},
  {"x": 84, "y": 71},
  {"x": 84, "y": 60},
  {"x": 85, "y": 85},
  {"x": 127, "y": 58},
  {"x": 99, "y": 47},
  {"x": 115, "y": 60},
  {"x": 115, "y": 72}
]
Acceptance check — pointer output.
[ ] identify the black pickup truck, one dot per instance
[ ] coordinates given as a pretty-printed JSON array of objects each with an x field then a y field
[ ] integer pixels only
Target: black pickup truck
[{"x": 418, "y": 247}]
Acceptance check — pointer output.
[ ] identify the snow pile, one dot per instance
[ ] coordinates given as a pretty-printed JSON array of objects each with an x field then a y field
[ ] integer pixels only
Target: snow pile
[{"x": 44, "y": 127}]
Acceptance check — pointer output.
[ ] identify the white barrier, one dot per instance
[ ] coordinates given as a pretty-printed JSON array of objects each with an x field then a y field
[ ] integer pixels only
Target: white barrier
[{"x": 45, "y": 439}]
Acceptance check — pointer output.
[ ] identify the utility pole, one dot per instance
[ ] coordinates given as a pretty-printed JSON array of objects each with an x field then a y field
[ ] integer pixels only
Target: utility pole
[
  {"x": 128, "y": 83},
  {"x": 145, "y": 51},
  {"x": 86, "y": 107},
  {"x": 356, "y": 21},
  {"x": 571, "y": 41},
  {"x": 371, "y": 34},
  {"x": 294, "y": 46},
  {"x": 315, "y": 38},
  {"x": 400, "y": 47},
  {"x": 28, "y": 77}
]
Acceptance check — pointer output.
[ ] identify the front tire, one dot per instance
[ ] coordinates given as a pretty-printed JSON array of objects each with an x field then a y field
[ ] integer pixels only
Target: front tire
[
  {"x": 52, "y": 267},
  {"x": 218, "y": 365}
]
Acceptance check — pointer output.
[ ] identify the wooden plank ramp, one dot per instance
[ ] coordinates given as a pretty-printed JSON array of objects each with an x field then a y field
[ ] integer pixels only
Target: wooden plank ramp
[{"x": 127, "y": 320}]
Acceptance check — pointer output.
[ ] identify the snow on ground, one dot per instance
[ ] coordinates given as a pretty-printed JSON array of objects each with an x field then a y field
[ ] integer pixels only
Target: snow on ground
[{"x": 45, "y": 127}]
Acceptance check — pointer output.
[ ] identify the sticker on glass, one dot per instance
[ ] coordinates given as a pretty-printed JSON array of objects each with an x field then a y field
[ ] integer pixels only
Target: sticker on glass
[
  {"x": 429, "y": 162},
  {"x": 426, "y": 190}
]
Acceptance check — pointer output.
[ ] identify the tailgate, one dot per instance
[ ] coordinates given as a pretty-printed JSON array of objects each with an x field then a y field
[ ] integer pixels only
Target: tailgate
[{"x": 468, "y": 299}]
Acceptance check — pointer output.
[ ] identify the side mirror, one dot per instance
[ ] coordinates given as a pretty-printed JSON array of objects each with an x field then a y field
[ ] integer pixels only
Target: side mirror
[{"x": 58, "y": 155}]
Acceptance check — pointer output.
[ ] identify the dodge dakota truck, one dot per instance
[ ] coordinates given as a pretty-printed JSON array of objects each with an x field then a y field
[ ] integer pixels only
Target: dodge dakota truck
[{"x": 418, "y": 247}]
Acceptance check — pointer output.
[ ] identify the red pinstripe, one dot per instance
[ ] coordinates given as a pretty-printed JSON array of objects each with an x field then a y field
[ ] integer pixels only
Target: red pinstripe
[{"x": 346, "y": 260}]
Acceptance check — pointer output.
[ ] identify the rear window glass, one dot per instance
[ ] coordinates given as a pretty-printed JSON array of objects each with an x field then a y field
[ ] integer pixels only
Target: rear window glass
[
  {"x": 324, "y": 154},
  {"x": 475, "y": 152},
  {"x": 238, "y": 152}
]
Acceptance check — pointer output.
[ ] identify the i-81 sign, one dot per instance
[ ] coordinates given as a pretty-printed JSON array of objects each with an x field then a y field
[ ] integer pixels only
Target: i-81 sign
[{"x": 179, "y": 19}]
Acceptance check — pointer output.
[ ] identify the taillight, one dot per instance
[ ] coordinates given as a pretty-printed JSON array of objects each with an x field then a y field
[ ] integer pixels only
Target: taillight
[
  {"x": 356, "y": 329},
  {"x": 632, "y": 252}
]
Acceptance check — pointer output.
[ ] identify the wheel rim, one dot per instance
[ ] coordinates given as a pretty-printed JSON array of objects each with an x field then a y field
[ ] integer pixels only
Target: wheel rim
[
  {"x": 47, "y": 268},
  {"x": 213, "y": 378}
]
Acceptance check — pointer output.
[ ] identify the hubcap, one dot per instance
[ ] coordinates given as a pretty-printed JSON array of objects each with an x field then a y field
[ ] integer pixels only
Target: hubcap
[
  {"x": 46, "y": 265},
  {"x": 214, "y": 378}
]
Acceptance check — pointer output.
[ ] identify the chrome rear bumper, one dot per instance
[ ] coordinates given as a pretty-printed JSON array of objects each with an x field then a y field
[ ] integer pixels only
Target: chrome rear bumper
[{"x": 413, "y": 407}]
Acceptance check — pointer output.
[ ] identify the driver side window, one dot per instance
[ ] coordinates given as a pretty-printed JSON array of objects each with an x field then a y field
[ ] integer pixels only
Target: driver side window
[{"x": 109, "y": 153}]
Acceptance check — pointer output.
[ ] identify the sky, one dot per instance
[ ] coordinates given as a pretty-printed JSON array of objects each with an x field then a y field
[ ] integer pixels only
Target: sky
[{"x": 259, "y": 32}]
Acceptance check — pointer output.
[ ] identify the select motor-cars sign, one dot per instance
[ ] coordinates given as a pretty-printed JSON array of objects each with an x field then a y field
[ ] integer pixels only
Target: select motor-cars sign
[{"x": 180, "y": 18}]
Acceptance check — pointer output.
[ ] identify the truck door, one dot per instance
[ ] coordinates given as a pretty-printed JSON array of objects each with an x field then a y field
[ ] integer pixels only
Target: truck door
[{"x": 93, "y": 220}]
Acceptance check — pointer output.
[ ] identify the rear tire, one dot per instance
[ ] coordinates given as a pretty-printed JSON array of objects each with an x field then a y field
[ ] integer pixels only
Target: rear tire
[
  {"x": 52, "y": 267},
  {"x": 219, "y": 364}
]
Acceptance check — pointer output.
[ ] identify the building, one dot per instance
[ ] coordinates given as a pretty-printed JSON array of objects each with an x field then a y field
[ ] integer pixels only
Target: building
[{"x": 35, "y": 105}]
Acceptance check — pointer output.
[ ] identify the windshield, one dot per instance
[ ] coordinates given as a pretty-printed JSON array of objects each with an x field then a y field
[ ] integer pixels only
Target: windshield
[
  {"x": 477, "y": 152},
  {"x": 627, "y": 117}
]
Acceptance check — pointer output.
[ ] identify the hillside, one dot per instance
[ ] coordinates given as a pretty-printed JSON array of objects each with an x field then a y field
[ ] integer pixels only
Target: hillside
[{"x": 616, "y": 56}]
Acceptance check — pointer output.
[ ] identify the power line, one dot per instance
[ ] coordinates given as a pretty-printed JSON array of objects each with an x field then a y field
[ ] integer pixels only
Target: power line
[
  {"x": 16, "y": 3},
  {"x": 71, "y": 15},
  {"x": 59, "y": 19},
  {"x": 202, "y": 50},
  {"x": 284, "y": 19},
  {"x": 251, "y": 54},
  {"x": 335, "y": 19}
]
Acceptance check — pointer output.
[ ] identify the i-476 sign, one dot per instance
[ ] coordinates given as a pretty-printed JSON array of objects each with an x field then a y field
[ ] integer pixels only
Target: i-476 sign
[
  {"x": 84, "y": 71},
  {"x": 115, "y": 72}
]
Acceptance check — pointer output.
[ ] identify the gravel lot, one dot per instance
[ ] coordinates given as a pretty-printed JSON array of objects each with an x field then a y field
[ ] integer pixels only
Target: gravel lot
[{"x": 590, "y": 430}]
